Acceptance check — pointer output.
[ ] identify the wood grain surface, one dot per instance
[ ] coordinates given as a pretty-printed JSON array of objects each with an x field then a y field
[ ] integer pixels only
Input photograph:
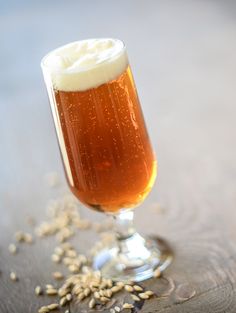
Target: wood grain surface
[{"x": 183, "y": 58}]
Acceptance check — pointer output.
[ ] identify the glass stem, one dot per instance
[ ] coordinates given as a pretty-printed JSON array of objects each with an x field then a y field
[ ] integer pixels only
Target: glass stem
[{"x": 124, "y": 226}]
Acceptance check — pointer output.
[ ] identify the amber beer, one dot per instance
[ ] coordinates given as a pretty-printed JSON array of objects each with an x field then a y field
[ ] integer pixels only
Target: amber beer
[{"x": 108, "y": 158}]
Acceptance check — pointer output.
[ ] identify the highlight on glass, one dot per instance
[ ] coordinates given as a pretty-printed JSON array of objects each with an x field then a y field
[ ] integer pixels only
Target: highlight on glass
[{"x": 107, "y": 155}]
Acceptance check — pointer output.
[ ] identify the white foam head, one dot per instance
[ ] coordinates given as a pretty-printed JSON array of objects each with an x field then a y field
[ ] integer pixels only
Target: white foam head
[{"x": 85, "y": 64}]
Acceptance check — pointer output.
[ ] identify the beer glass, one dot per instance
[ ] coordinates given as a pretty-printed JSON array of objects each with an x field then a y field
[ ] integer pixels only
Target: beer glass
[{"x": 107, "y": 155}]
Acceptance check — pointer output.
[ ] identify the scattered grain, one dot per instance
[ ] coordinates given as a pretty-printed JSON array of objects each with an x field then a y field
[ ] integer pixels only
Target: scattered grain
[
  {"x": 69, "y": 297},
  {"x": 116, "y": 289},
  {"x": 128, "y": 306},
  {"x": 71, "y": 253},
  {"x": 73, "y": 268},
  {"x": 102, "y": 293},
  {"x": 129, "y": 288},
  {"x": 87, "y": 292},
  {"x": 49, "y": 286},
  {"x": 12, "y": 248},
  {"x": 104, "y": 299},
  {"x": 63, "y": 301},
  {"x": 51, "y": 292},
  {"x": 63, "y": 292},
  {"x": 81, "y": 296},
  {"x": 143, "y": 295},
  {"x": 92, "y": 303},
  {"x": 108, "y": 293},
  {"x": 109, "y": 283},
  {"x": 57, "y": 275},
  {"x": 76, "y": 290},
  {"x": 97, "y": 295},
  {"x": 59, "y": 251},
  {"x": 64, "y": 221},
  {"x": 82, "y": 258},
  {"x": 137, "y": 288},
  {"x": 43, "y": 309},
  {"x": 55, "y": 258},
  {"x": 53, "y": 306},
  {"x": 38, "y": 290},
  {"x": 13, "y": 276}
]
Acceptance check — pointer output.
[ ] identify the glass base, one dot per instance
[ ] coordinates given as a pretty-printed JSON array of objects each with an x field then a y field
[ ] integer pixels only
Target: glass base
[{"x": 133, "y": 258}]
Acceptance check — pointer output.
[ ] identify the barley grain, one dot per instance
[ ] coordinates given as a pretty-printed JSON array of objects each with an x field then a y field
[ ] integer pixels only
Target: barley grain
[
  {"x": 108, "y": 293},
  {"x": 81, "y": 296},
  {"x": 51, "y": 292},
  {"x": 63, "y": 301},
  {"x": 43, "y": 309},
  {"x": 13, "y": 276},
  {"x": 137, "y": 288},
  {"x": 38, "y": 290},
  {"x": 104, "y": 299},
  {"x": 55, "y": 258},
  {"x": 49, "y": 286},
  {"x": 73, "y": 268},
  {"x": 92, "y": 303},
  {"x": 12, "y": 248},
  {"x": 59, "y": 251},
  {"x": 127, "y": 306},
  {"x": 143, "y": 295},
  {"x": 71, "y": 253},
  {"x": 96, "y": 295},
  {"x": 87, "y": 291},
  {"x": 116, "y": 289},
  {"x": 109, "y": 283},
  {"x": 129, "y": 288},
  {"x": 76, "y": 290},
  {"x": 117, "y": 308},
  {"x": 53, "y": 306},
  {"x": 63, "y": 291},
  {"x": 69, "y": 297},
  {"x": 58, "y": 275}
]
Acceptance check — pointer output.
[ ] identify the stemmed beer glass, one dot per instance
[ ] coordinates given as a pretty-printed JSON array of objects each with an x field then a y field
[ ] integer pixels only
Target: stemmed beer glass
[{"x": 108, "y": 159}]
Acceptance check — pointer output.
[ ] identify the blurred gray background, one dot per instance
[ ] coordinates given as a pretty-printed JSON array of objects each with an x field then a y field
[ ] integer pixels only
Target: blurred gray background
[{"x": 183, "y": 56}]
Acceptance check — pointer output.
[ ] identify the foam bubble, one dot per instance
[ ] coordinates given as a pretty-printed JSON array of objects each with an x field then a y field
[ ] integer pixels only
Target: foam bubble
[{"x": 85, "y": 64}]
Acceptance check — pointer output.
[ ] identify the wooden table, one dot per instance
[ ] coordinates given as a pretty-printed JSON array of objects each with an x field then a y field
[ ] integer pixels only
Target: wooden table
[{"x": 183, "y": 59}]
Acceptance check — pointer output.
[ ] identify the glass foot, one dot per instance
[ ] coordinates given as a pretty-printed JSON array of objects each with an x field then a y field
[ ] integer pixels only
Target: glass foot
[{"x": 133, "y": 258}]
